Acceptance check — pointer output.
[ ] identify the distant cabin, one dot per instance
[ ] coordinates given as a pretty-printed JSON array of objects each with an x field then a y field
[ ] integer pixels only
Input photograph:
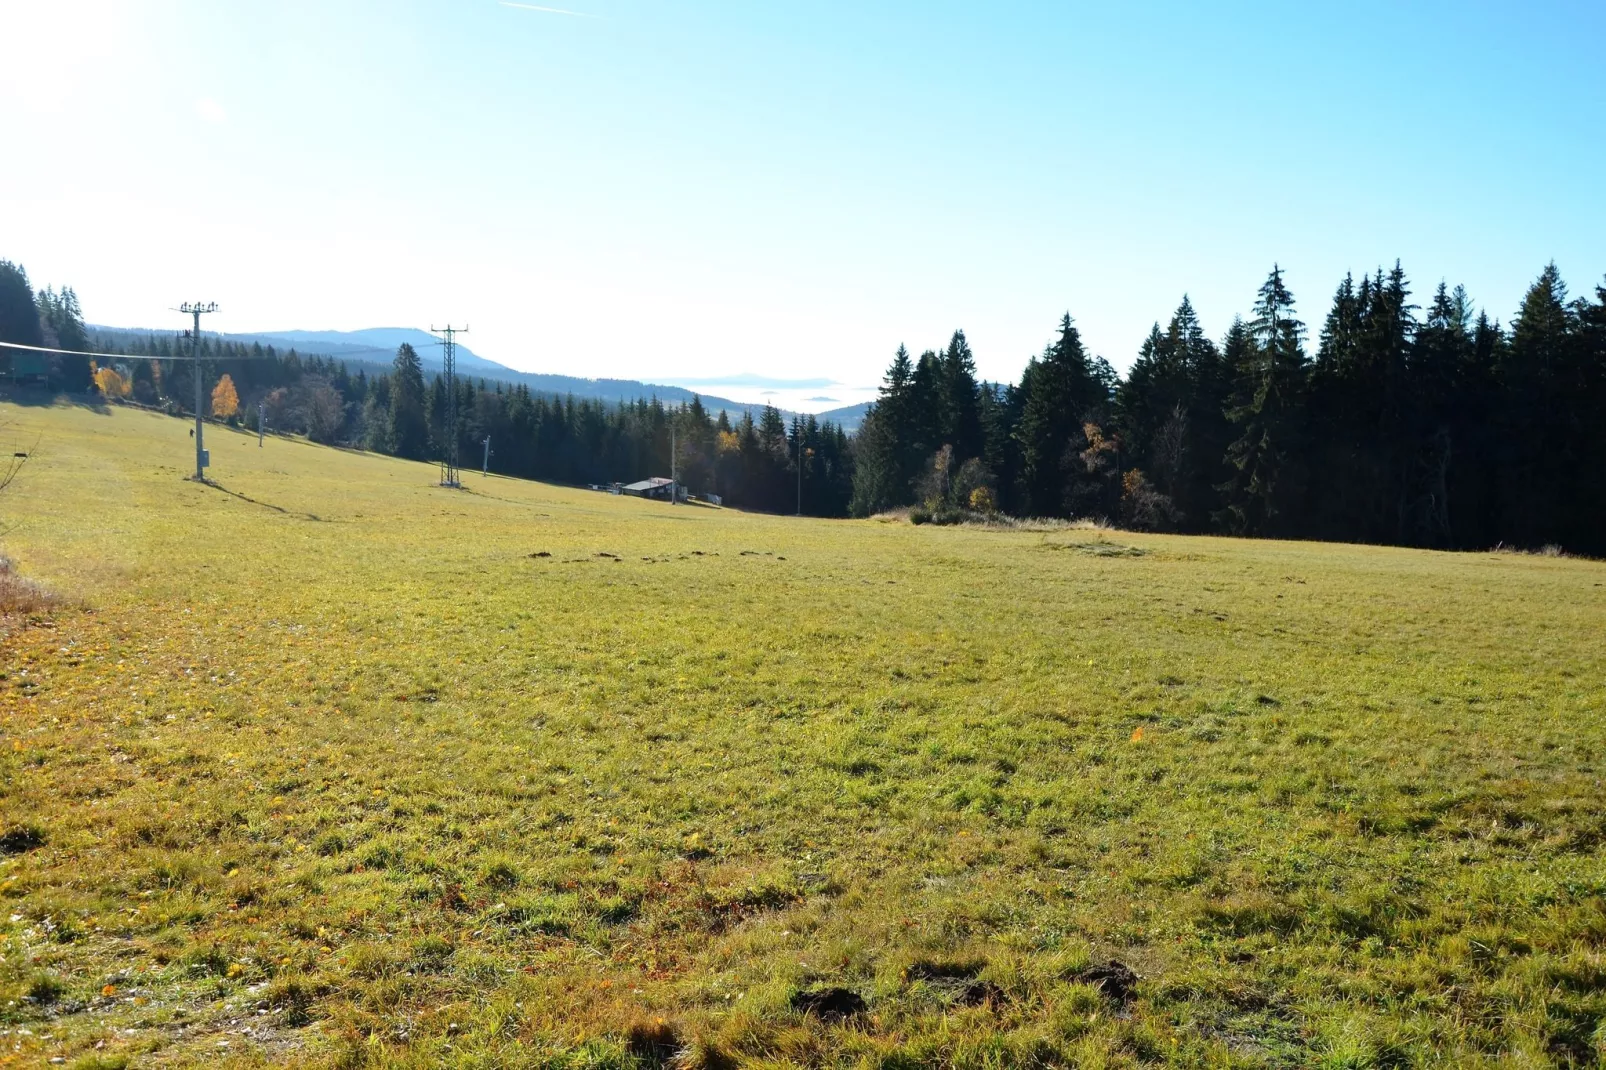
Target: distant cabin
[
  {"x": 659, "y": 487},
  {"x": 28, "y": 368}
]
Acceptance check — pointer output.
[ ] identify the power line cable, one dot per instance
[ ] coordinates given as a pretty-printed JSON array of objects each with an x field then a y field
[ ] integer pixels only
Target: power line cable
[
  {"x": 126, "y": 356},
  {"x": 278, "y": 355}
]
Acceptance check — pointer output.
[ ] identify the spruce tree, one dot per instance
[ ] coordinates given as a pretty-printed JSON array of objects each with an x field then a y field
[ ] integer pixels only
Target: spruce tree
[
  {"x": 1589, "y": 498},
  {"x": 1363, "y": 449},
  {"x": 1152, "y": 410},
  {"x": 1210, "y": 377},
  {"x": 961, "y": 409},
  {"x": 1436, "y": 433},
  {"x": 925, "y": 413},
  {"x": 1266, "y": 483},
  {"x": 1061, "y": 391},
  {"x": 409, "y": 427},
  {"x": 881, "y": 476},
  {"x": 1000, "y": 412},
  {"x": 1542, "y": 416},
  {"x": 19, "y": 316}
]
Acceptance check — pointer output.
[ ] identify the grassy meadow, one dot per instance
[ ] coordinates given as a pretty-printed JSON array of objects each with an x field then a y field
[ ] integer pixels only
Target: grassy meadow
[{"x": 326, "y": 765}]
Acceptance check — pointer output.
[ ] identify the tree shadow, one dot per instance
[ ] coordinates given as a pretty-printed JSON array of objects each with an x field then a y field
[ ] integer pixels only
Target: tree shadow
[
  {"x": 37, "y": 397},
  {"x": 260, "y": 504}
]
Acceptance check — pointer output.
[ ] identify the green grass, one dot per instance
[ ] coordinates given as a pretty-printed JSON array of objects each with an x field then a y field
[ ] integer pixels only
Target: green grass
[{"x": 324, "y": 767}]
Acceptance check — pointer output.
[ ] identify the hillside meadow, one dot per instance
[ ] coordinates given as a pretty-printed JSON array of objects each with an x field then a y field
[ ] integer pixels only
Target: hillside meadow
[{"x": 326, "y": 765}]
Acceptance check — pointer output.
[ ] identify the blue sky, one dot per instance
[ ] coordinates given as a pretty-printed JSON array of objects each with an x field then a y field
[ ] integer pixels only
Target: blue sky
[{"x": 669, "y": 188}]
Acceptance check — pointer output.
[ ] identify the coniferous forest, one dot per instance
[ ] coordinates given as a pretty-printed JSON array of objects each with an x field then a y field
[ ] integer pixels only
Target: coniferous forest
[{"x": 1418, "y": 422}]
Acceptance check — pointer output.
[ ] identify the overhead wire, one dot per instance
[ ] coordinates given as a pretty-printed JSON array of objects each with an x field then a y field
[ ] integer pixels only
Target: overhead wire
[{"x": 185, "y": 356}]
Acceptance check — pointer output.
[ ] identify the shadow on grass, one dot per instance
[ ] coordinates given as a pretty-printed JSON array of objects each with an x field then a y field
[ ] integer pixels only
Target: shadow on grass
[
  {"x": 37, "y": 397},
  {"x": 261, "y": 504}
]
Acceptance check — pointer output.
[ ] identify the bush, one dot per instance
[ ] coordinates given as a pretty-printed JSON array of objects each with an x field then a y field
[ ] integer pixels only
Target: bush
[
  {"x": 973, "y": 483},
  {"x": 1143, "y": 508},
  {"x": 954, "y": 491},
  {"x": 18, "y": 595},
  {"x": 944, "y": 515}
]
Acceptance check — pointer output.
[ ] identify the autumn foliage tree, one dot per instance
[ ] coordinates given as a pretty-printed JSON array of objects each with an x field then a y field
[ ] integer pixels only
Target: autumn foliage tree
[
  {"x": 111, "y": 383},
  {"x": 225, "y": 399}
]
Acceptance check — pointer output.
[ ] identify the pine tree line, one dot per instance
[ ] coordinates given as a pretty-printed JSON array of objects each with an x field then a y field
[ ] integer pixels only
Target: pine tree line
[
  {"x": 1435, "y": 428},
  {"x": 404, "y": 412},
  {"x": 749, "y": 463},
  {"x": 48, "y": 318}
]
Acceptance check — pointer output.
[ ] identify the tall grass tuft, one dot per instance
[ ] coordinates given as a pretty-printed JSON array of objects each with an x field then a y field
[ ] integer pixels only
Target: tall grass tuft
[{"x": 20, "y": 596}]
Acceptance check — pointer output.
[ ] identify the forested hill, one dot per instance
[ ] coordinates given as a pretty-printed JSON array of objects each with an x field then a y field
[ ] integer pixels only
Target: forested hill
[
  {"x": 750, "y": 457},
  {"x": 1421, "y": 425},
  {"x": 376, "y": 346}
]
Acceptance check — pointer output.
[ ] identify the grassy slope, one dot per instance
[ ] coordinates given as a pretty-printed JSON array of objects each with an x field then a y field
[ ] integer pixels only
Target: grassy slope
[{"x": 329, "y": 767}]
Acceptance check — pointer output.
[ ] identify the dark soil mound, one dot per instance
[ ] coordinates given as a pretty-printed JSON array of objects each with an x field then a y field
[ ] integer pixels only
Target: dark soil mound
[
  {"x": 829, "y": 1004},
  {"x": 1115, "y": 979}
]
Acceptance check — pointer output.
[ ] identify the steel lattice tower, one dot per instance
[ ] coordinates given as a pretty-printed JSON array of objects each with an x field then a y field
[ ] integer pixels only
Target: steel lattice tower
[{"x": 450, "y": 477}]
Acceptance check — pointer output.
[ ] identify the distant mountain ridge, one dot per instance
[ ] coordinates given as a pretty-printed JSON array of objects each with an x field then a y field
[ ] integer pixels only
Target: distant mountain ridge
[{"x": 377, "y": 345}]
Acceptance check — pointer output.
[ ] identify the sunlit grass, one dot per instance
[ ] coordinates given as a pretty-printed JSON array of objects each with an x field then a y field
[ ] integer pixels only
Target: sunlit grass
[{"x": 323, "y": 765}]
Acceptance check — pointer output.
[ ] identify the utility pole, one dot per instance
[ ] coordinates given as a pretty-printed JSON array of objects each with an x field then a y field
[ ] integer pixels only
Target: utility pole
[
  {"x": 449, "y": 473},
  {"x": 197, "y": 310},
  {"x": 262, "y": 416},
  {"x": 674, "y": 471},
  {"x": 485, "y": 466}
]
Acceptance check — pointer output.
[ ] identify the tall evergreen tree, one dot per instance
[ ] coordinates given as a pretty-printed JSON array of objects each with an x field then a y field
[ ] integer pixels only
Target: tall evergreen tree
[
  {"x": 1266, "y": 483},
  {"x": 1363, "y": 450},
  {"x": 1061, "y": 392},
  {"x": 1588, "y": 512},
  {"x": 882, "y": 476},
  {"x": 1000, "y": 413},
  {"x": 1151, "y": 408},
  {"x": 63, "y": 318},
  {"x": 19, "y": 317},
  {"x": 961, "y": 408},
  {"x": 1170, "y": 410},
  {"x": 1209, "y": 432},
  {"x": 1540, "y": 415},
  {"x": 409, "y": 427},
  {"x": 925, "y": 412}
]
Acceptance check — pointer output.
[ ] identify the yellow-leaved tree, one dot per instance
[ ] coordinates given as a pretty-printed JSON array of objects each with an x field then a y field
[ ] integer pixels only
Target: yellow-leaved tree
[
  {"x": 111, "y": 384},
  {"x": 225, "y": 399}
]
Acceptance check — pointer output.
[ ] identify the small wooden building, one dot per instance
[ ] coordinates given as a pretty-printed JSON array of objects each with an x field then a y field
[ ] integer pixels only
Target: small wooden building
[{"x": 660, "y": 487}]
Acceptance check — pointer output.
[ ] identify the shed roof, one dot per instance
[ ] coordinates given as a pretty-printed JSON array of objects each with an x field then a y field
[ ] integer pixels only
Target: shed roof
[{"x": 650, "y": 484}]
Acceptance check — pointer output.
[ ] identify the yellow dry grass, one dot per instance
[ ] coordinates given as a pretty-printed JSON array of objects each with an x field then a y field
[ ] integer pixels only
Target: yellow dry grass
[{"x": 321, "y": 765}]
